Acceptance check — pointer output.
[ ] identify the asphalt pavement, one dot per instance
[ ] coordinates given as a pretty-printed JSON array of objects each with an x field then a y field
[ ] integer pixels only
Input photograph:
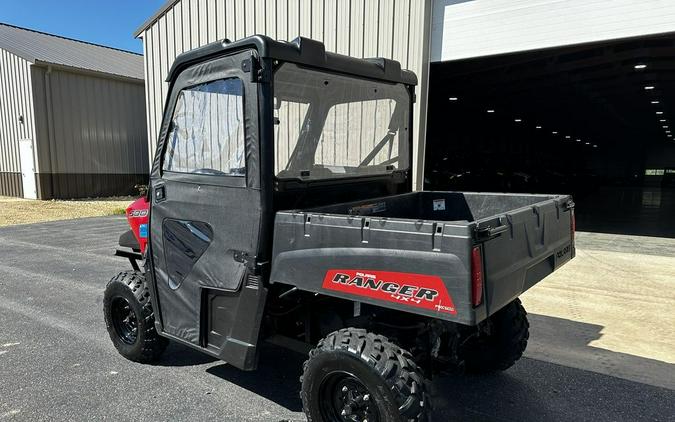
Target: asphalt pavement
[{"x": 57, "y": 362}]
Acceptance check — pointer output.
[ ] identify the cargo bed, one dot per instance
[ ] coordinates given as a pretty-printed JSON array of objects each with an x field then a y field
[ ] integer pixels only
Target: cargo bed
[{"x": 427, "y": 235}]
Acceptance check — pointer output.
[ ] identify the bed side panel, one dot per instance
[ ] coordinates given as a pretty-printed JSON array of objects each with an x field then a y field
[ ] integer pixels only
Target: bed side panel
[{"x": 337, "y": 256}]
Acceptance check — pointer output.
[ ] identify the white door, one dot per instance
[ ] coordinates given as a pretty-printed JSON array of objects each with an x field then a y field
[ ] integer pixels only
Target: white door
[{"x": 27, "y": 168}]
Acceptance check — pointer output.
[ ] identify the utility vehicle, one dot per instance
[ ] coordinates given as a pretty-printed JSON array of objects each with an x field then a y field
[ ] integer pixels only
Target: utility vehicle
[{"x": 280, "y": 208}]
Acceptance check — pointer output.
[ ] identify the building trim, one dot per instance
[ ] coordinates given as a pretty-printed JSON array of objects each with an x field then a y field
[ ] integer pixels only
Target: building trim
[{"x": 152, "y": 19}]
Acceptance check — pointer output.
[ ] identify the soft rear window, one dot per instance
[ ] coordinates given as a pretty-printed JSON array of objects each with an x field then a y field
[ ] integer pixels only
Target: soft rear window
[{"x": 330, "y": 125}]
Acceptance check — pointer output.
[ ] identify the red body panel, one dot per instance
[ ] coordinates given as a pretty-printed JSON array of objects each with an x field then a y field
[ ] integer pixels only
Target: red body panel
[
  {"x": 138, "y": 215},
  {"x": 415, "y": 290}
]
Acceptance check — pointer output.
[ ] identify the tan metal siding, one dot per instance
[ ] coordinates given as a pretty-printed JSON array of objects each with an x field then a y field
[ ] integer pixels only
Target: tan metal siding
[
  {"x": 396, "y": 29},
  {"x": 463, "y": 29},
  {"x": 96, "y": 125},
  {"x": 15, "y": 101}
]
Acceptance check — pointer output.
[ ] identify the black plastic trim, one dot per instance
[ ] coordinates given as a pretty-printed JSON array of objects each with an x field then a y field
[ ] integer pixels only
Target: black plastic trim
[{"x": 302, "y": 51}]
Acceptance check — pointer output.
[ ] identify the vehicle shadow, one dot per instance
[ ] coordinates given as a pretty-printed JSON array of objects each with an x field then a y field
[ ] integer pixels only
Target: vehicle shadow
[
  {"x": 532, "y": 390},
  {"x": 177, "y": 354},
  {"x": 276, "y": 379}
]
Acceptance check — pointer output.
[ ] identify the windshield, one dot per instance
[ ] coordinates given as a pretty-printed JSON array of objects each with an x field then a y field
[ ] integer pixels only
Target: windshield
[{"x": 329, "y": 125}]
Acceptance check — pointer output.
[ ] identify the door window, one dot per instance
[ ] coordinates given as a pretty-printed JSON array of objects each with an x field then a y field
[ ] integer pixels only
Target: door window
[{"x": 206, "y": 135}]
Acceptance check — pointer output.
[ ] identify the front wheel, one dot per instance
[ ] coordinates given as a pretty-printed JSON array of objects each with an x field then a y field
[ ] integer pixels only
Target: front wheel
[
  {"x": 129, "y": 318},
  {"x": 353, "y": 375}
]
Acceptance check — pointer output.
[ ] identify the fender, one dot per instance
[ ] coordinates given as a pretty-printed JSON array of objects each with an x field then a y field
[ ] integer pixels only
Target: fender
[{"x": 138, "y": 214}]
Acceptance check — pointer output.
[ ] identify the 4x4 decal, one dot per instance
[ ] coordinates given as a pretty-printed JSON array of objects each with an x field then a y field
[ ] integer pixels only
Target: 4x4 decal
[{"x": 417, "y": 290}]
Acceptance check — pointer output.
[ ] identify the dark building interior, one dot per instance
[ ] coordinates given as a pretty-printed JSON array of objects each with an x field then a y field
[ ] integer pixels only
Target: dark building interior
[{"x": 595, "y": 120}]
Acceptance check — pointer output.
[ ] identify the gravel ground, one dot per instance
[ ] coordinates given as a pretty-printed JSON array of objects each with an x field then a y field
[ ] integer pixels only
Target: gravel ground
[
  {"x": 24, "y": 211},
  {"x": 57, "y": 362}
]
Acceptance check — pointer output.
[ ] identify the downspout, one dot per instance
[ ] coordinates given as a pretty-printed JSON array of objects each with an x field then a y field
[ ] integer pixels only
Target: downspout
[{"x": 50, "y": 128}]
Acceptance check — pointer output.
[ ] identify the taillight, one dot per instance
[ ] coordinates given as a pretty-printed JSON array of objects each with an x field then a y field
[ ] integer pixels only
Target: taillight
[{"x": 476, "y": 276}]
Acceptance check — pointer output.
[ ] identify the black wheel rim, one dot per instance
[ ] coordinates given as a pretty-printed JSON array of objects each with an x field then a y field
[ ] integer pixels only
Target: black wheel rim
[
  {"x": 344, "y": 398},
  {"x": 124, "y": 320}
]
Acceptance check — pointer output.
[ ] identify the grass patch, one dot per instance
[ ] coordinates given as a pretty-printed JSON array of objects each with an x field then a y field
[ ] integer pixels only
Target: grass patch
[{"x": 24, "y": 211}]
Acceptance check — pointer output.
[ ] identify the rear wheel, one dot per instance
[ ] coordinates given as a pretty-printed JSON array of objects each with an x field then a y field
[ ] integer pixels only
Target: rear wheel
[
  {"x": 504, "y": 343},
  {"x": 129, "y": 318},
  {"x": 353, "y": 375}
]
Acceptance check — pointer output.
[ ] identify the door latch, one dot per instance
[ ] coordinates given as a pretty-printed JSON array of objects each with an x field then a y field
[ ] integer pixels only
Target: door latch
[
  {"x": 251, "y": 263},
  {"x": 160, "y": 194}
]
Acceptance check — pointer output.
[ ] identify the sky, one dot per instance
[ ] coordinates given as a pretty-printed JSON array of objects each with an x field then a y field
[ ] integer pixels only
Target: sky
[{"x": 107, "y": 22}]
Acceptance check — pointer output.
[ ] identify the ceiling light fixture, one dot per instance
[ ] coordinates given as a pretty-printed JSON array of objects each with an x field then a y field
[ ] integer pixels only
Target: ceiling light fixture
[
  {"x": 588, "y": 143},
  {"x": 490, "y": 111},
  {"x": 659, "y": 112},
  {"x": 662, "y": 120},
  {"x": 517, "y": 120},
  {"x": 567, "y": 137},
  {"x": 537, "y": 127},
  {"x": 554, "y": 133},
  {"x": 656, "y": 102},
  {"x": 640, "y": 66},
  {"x": 578, "y": 140},
  {"x": 649, "y": 87},
  {"x": 453, "y": 98},
  {"x": 595, "y": 146}
]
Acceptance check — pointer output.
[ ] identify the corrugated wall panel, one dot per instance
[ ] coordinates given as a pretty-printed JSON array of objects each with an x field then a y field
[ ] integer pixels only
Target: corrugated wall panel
[
  {"x": 90, "y": 139},
  {"x": 96, "y": 127},
  {"x": 397, "y": 29},
  {"x": 15, "y": 100},
  {"x": 463, "y": 29}
]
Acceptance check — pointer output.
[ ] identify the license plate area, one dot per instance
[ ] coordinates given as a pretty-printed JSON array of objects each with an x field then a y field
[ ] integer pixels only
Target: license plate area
[{"x": 562, "y": 255}]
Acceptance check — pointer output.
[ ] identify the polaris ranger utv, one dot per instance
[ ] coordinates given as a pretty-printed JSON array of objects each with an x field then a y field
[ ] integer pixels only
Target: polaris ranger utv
[{"x": 280, "y": 207}]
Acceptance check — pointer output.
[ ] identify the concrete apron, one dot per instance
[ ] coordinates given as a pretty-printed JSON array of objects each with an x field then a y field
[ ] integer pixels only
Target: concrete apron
[{"x": 611, "y": 310}]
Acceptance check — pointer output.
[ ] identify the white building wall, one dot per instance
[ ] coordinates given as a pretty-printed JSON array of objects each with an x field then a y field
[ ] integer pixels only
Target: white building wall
[
  {"x": 473, "y": 28},
  {"x": 396, "y": 29},
  {"x": 16, "y": 99}
]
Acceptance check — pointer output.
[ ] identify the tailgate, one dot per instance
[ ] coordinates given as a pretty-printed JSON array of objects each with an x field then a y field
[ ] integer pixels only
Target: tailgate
[{"x": 531, "y": 243}]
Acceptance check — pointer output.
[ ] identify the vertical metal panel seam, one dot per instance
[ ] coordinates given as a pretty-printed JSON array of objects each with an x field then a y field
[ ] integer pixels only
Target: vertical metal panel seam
[
  {"x": 3, "y": 118},
  {"x": 393, "y": 28},
  {"x": 10, "y": 117},
  {"x": 149, "y": 94}
]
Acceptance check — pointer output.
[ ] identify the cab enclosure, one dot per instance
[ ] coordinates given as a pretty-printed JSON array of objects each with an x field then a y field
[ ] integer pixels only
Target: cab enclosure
[{"x": 281, "y": 207}]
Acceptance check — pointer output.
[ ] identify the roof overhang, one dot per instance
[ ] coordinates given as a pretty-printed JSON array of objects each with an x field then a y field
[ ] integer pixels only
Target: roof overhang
[{"x": 86, "y": 72}]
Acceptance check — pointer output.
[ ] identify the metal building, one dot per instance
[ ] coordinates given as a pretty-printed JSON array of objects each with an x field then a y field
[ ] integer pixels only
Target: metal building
[
  {"x": 464, "y": 29},
  {"x": 421, "y": 34},
  {"x": 569, "y": 96},
  {"x": 71, "y": 117},
  {"x": 396, "y": 29}
]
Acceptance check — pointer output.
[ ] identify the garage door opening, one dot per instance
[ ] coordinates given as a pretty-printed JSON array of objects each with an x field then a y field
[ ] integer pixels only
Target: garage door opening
[{"x": 597, "y": 121}]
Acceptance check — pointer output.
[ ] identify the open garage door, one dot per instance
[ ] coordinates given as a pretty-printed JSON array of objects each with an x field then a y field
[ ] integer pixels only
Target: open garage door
[{"x": 594, "y": 120}]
